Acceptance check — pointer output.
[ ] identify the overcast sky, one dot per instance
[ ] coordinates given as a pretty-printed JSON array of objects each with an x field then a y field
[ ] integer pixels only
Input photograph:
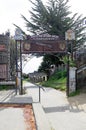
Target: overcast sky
[
  {"x": 32, "y": 65},
  {"x": 11, "y": 10}
]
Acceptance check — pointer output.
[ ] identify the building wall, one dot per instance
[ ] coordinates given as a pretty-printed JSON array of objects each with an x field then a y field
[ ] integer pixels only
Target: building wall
[
  {"x": 38, "y": 77},
  {"x": 81, "y": 56},
  {"x": 4, "y": 57}
]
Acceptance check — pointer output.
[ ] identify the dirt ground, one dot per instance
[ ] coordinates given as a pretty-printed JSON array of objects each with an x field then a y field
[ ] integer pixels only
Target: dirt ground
[{"x": 27, "y": 113}]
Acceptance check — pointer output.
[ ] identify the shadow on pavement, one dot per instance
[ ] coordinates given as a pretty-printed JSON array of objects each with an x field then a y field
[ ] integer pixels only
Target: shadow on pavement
[
  {"x": 20, "y": 100},
  {"x": 61, "y": 109},
  {"x": 78, "y": 101}
]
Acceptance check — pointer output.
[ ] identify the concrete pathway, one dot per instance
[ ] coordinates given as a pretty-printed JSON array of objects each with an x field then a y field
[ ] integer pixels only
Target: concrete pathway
[
  {"x": 5, "y": 94},
  {"x": 61, "y": 112},
  {"x": 54, "y": 112},
  {"x": 11, "y": 119},
  {"x": 9, "y": 96}
]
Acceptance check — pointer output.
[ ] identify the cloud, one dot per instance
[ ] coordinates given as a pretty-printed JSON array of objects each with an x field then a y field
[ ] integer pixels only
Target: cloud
[{"x": 32, "y": 65}]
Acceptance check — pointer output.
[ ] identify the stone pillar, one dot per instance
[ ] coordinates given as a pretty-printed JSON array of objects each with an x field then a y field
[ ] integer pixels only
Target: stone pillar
[{"x": 72, "y": 79}]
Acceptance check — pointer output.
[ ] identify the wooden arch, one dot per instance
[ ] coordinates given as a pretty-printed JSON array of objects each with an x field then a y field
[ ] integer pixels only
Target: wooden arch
[{"x": 44, "y": 43}]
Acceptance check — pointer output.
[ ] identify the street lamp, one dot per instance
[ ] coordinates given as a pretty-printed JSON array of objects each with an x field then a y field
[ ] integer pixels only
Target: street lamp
[
  {"x": 69, "y": 36},
  {"x": 18, "y": 38}
]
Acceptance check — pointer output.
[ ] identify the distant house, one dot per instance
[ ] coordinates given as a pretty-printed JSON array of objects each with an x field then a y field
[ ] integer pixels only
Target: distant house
[{"x": 38, "y": 76}]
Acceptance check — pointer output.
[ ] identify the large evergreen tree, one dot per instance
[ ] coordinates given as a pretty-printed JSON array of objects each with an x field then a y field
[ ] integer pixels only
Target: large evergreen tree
[{"x": 55, "y": 18}]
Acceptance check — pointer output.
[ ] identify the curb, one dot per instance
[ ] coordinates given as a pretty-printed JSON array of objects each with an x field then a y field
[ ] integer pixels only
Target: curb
[{"x": 40, "y": 117}]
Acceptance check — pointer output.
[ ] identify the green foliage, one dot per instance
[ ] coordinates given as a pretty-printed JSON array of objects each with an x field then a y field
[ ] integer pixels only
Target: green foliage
[
  {"x": 74, "y": 93},
  {"x": 26, "y": 80},
  {"x": 59, "y": 74},
  {"x": 71, "y": 62},
  {"x": 48, "y": 60},
  {"x": 65, "y": 59},
  {"x": 25, "y": 76},
  {"x": 51, "y": 18},
  {"x": 57, "y": 80},
  {"x": 54, "y": 18},
  {"x": 6, "y": 87}
]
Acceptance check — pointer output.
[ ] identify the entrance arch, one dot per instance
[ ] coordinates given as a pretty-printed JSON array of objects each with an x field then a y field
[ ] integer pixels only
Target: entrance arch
[{"x": 44, "y": 43}]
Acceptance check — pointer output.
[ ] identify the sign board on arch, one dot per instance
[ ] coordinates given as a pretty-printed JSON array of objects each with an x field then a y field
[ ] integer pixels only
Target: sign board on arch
[{"x": 44, "y": 44}]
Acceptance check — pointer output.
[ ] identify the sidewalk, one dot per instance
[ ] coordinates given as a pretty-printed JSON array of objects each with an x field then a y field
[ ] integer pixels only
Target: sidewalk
[
  {"x": 14, "y": 110},
  {"x": 54, "y": 112},
  {"x": 11, "y": 119},
  {"x": 61, "y": 112}
]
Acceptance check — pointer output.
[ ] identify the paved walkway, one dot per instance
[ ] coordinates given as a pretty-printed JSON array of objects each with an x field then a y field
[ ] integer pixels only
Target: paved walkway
[
  {"x": 54, "y": 112},
  {"x": 62, "y": 113},
  {"x": 5, "y": 94},
  {"x": 11, "y": 119}
]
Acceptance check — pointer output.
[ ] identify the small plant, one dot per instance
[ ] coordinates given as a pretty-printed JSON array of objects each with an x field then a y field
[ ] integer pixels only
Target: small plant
[
  {"x": 74, "y": 93},
  {"x": 57, "y": 81},
  {"x": 72, "y": 63},
  {"x": 5, "y": 87}
]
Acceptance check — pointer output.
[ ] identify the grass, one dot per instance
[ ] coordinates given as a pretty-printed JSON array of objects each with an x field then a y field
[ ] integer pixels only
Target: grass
[
  {"x": 74, "y": 93},
  {"x": 57, "y": 81},
  {"x": 5, "y": 87},
  {"x": 26, "y": 80}
]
